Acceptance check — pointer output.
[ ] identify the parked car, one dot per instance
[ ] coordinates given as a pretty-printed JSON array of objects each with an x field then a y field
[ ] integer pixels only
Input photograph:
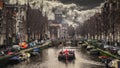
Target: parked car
[
  {"x": 39, "y": 43},
  {"x": 84, "y": 46},
  {"x": 34, "y": 43},
  {"x": 94, "y": 52},
  {"x": 42, "y": 41},
  {"x": 16, "y": 48},
  {"x": 80, "y": 42},
  {"x": 31, "y": 44},
  {"x": 107, "y": 47},
  {"x": 89, "y": 47},
  {"x": 114, "y": 50}
]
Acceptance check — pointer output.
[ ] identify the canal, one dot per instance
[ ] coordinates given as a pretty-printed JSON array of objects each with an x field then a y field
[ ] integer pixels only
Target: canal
[{"x": 48, "y": 59}]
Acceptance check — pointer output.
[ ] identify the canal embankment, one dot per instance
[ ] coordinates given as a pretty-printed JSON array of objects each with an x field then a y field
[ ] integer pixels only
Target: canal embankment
[
  {"x": 4, "y": 59},
  {"x": 102, "y": 51}
]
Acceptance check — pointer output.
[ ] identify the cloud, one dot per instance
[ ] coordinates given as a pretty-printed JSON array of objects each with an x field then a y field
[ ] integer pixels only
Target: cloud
[
  {"x": 20, "y": 1},
  {"x": 71, "y": 12}
]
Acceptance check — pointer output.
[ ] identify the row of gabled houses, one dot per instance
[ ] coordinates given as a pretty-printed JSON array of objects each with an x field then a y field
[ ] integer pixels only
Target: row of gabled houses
[{"x": 21, "y": 23}]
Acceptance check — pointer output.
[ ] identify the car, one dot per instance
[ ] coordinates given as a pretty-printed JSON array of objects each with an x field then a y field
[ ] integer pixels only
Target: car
[
  {"x": 84, "y": 46},
  {"x": 107, "y": 47},
  {"x": 89, "y": 48},
  {"x": 34, "y": 43},
  {"x": 16, "y": 48},
  {"x": 30, "y": 45},
  {"x": 39, "y": 43},
  {"x": 94, "y": 52},
  {"x": 114, "y": 50},
  {"x": 42, "y": 41},
  {"x": 80, "y": 42}
]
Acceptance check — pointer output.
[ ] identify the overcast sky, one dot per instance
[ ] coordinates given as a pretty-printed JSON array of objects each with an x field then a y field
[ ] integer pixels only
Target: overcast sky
[{"x": 81, "y": 16}]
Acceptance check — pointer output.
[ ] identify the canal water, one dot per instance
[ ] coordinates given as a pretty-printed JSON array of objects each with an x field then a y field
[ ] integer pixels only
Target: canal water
[{"x": 48, "y": 59}]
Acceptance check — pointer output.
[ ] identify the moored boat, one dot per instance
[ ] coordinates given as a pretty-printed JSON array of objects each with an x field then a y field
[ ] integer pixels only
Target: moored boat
[
  {"x": 14, "y": 60},
  {"x": 66, "y": 55}
]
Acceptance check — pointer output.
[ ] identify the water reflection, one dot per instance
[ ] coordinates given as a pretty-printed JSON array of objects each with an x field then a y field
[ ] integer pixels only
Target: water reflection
[{"x": 48, "y": 59}]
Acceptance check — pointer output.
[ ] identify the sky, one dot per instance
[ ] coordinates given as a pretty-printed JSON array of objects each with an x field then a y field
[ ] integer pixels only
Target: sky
[{"x": 71, "y": 16}]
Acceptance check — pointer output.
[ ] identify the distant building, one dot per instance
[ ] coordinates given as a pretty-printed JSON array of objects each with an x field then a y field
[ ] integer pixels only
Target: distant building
[
  {"x": 64, "y": 31},
  {"x": 12, "y": 22},
  {"x": 54, "y": 29},
  {"x": 58, "y": 15}
]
